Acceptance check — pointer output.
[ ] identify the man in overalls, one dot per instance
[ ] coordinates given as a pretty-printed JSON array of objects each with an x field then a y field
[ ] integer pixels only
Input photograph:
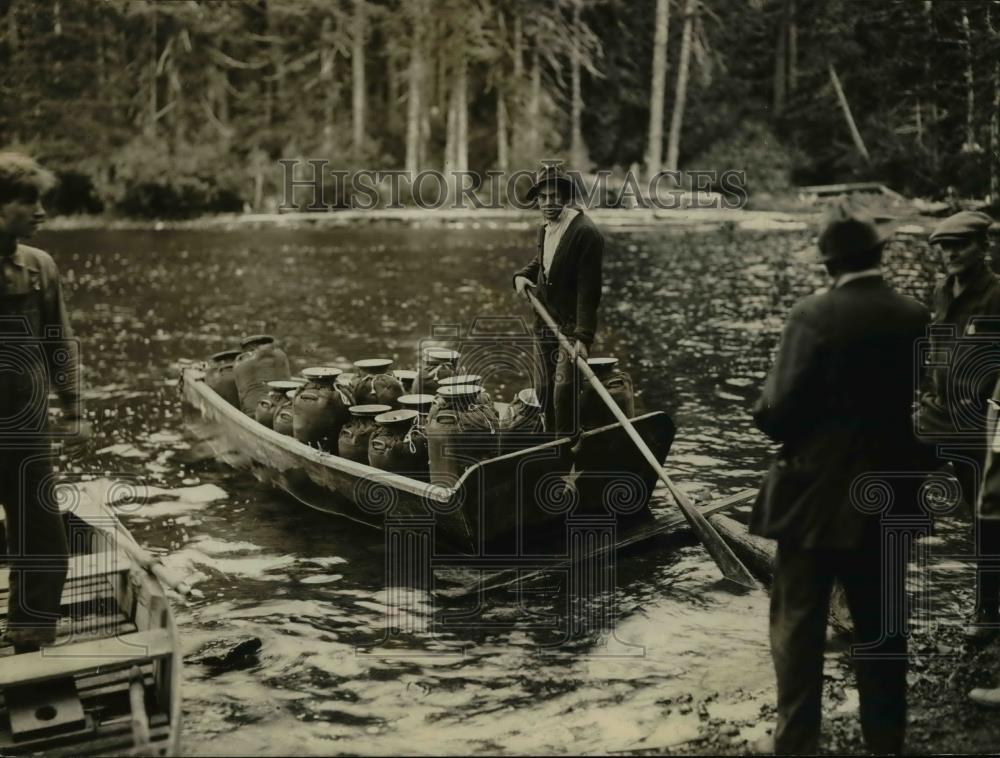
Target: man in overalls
[{"x": 36, "y": 351}]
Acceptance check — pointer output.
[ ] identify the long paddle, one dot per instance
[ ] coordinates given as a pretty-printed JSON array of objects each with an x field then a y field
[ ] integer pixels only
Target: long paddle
[{"x": 730, "y": 566}]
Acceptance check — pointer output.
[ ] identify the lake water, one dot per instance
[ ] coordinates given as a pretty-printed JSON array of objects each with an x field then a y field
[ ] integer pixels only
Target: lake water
[{"x": 692, "y": 315}]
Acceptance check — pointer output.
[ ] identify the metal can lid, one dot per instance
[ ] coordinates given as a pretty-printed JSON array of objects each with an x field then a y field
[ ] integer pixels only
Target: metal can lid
[
  {"x": 394, "y": 417},
  {"x": 372, "y": 365},
  {"x": 225, "y": 355},
  {"x": 367, "y": 411},
  {"x": 440, "y": 355},
  {"x": 416, "y": 401},
  {"x": 256, "y": 339},
  {"x": 404, "y": 373},
  {"x": 283, "y": 385},
  {"x": 321, "y": 372},
  {"x": 460, "y": 390},
  {"x": 460, "y": 379}
]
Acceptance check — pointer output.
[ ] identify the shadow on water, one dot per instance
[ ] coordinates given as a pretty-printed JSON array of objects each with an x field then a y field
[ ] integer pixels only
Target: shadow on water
[{"x": 693, "y": 316}]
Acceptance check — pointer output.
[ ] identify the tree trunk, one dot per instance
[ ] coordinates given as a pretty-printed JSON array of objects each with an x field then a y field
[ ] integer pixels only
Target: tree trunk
[
  {"x": 414, "y": 106},
  {"x": 654, "y": 146},
  {"x": 793, "y": 47},
  {"x": 932, "y": 116},
  {"x": 970, "y": 85},
  {"x": 503, "y": 141},
  {"x": 995, "y": 115},
  {"x": 457, "y": 138},
  {"x": 392, "y": 91},
  {"x": 326, "y": 61},
  {"x": 177, "y": 106},
  {"x": 780, "y": 61},
  {"x": 358, "y": 78},
  {"x": 995, "y": 136},
  {"x": 518, "y": 47},
  {"x": 13, "y": 37},
  {"x": 462, "y": 153},
  {"x": 680, "y": 95},
  {"x": 154, "y": 55},
  {"x": 535, "y": 107},
  {"x": 577, "y": 150},
  {"x": 859, "y": 143}
]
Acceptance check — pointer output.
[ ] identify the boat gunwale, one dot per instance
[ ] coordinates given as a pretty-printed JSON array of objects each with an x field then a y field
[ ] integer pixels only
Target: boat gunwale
[{"x": 440, "y": 493}]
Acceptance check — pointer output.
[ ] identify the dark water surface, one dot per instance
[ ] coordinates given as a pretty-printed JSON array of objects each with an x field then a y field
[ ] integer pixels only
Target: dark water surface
[{"x": 694, "y": 316}]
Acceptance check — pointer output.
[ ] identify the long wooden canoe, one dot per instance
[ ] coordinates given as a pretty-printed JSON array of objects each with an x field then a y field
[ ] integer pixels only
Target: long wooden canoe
[
  {"x": 504, "y": 500},
  {"x": 110, "y": 685}
]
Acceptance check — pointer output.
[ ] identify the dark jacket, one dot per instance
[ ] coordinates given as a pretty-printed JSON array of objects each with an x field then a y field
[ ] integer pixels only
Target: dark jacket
[
  {"x": 572, "y": 290},
  {"x": 974, "y": 316},
  {"x": 839, "y": 399}
]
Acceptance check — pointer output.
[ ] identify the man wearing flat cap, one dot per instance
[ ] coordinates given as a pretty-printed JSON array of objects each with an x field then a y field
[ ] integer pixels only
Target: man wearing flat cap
[
  {"x": 565, "y": 274},
  {"x": 954, "y": 412},
  {"x": 839, "y": 399}
]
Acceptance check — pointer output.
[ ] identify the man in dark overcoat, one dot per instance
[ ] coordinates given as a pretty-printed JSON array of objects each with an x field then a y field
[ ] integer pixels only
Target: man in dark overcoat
[
  {"x": 565, "y": 275},
  {"x": 839, "y": 400}
]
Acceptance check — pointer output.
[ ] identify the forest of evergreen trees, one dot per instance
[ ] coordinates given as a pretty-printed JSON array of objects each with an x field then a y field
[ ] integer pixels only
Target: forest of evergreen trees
[{"x": 180, "y": 107}]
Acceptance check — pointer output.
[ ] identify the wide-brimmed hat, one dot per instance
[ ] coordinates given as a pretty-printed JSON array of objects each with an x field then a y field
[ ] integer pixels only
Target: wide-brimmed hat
[
  {"x": 550, "y": 175},
  {"x": 848, "y": 232}
]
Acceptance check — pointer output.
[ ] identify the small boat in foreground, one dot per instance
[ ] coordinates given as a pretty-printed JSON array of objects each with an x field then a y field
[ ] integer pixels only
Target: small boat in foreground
[
  {"x": 513, "y": 497},
  {"x": 110, "y": 685}
]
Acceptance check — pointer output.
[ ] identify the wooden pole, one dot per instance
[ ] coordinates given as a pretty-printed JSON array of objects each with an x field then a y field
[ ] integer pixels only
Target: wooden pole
[
  {"x": 721, "y": 553},
  {"x": 859, "y": 143}
]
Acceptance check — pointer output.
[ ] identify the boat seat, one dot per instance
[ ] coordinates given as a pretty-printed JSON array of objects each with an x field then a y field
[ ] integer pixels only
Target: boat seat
[
  {"x": 70, "y": 660},
  {"x": 85, "y": 566}
]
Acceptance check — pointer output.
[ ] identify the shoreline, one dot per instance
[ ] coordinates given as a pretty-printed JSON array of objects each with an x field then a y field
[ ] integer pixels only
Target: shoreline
[{"x": 611, "y": 219}]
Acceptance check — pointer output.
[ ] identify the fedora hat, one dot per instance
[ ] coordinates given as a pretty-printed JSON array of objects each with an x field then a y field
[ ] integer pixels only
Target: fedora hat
[
  {"x": 848, "y": 232},
  {"x": 552, "y": 175}
]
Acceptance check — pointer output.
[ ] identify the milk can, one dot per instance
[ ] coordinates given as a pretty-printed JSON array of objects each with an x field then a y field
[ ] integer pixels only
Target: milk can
[
  {"x": 284, "y": 416},
  {"x": 399, "y": 445},
  {"x": 460, "y": 433},
  {"x": 406, "y": 379},
  {"x": 374, "y": 385},
  {"x": 436, "y": 364},
  {"x": 357, "y": 432},
  {"x": 419, "y": 403},
  {"x": 320, "y": 409},
  {"x": 260, "y": 362},
  {"x": 219, "y": 376},
  {"x": 451, "y": 381},
  {"x": 522, "y": 423},
  {"x": 593, "y": 411},
  {"x": 268, "y": 405}
]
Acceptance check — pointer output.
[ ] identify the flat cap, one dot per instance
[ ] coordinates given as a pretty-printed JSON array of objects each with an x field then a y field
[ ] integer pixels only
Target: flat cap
[{"x": 962, "y": 225}]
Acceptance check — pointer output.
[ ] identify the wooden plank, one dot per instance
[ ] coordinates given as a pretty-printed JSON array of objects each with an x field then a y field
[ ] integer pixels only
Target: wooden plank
[
  {"x": 52, "y": 663},
  {"x": 44, "y": 710},
  {"x": 105, "y": 738}
]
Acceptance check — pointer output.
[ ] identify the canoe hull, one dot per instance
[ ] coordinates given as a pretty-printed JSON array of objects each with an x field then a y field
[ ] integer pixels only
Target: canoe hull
[{"x": 499, "y": 501}]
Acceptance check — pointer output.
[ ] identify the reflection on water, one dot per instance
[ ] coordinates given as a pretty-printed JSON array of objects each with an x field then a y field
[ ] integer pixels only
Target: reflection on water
[{"x": 693, "y": 316}]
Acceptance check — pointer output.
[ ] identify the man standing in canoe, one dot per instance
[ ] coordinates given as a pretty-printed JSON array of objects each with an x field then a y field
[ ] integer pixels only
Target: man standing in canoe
[
  {"x": 839, "y": 400},
  {"x": 565, "y": 275},
  {"x": 36, "y": 351},
  {"x": 953, "y": 412}
]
